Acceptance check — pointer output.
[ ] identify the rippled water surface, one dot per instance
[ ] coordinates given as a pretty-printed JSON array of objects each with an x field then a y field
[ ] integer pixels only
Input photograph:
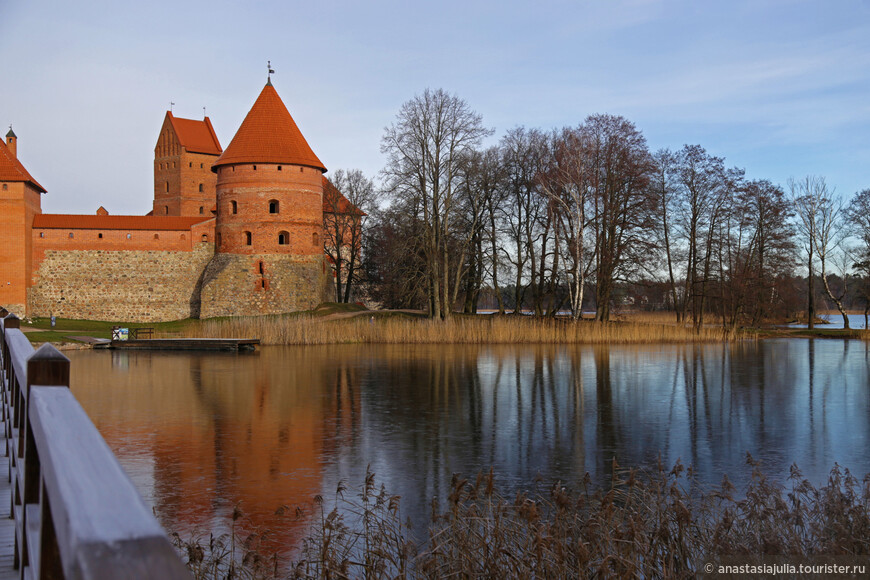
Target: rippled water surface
[{"x": 200, "y": 432}]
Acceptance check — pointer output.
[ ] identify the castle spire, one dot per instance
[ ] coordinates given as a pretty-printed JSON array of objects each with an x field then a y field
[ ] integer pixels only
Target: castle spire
[{"x": 271, "y": 72}]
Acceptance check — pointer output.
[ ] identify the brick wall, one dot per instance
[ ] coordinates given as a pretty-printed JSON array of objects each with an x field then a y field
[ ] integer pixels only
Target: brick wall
[
  {"x": 128, "y": 285},
  {"x": 248, "y": 285},
  {"x": 298, "y": 192},
  {"x": 19, "y": 202}
]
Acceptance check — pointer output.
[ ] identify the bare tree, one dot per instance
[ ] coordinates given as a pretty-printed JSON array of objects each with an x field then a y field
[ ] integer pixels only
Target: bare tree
[
  {"x": 819, "y": 223},
  {"x": 621, "y": 165},
  {"x": 432, "y": 133},
  {"x": 858, "y": 217},
  {"x": 346, "y": 199}
]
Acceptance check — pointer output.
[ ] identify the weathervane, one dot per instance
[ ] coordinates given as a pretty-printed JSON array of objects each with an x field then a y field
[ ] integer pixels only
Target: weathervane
[
  {"x": 271, "y": 70},
  {"x": 203, "y": 112},
  {"x": 171, "y": 104}
]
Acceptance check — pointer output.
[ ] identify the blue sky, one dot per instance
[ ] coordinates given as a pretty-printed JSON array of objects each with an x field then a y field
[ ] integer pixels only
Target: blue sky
[{"x": 778, "y": 87}]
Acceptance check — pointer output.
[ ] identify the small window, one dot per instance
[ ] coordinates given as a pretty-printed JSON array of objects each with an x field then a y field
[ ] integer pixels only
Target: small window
[
  {"x": 5, "y": 187},
  {"x": 156, "y": 236},
  {"x": 41, "y": 234},
  {"x": 315, "y": 239},
  {"x": 204, "y": 237},
  {"x": 167, "y": 187},
  {"x": 70, "y": 235},
  {"x": 200, "y": 188},
  {"x": 166, "y": 210},
  {"x": 248, "y": 238},
  {"x": 190, "y": 164},
  {"x": 273, "y": 206},
  {"x": 129, "y": 236},
  {"x": 182, "y": 237},
  {"x": 260, "y": 267},
  {"x": 283, "y": 238},
  {"x": 263, "y": 284},
  {"x": 301, "y": 169},
  {"x": 100, "y": 236},
  {"x": 255, "y": 167},
  {"x": 200, "y": 165},
  {"x": 200, "y": 210},
  {"x": 234, "y": 206},
  {"x": 279, "y": 168}
]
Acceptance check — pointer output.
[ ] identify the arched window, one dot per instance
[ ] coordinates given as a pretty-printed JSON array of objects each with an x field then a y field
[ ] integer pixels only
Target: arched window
[
  {"x": 200, "y": 188},
  {"x": 234, "y": 206},
  {"x": 260, "y": 267},
  {"x": 248, "y": 238},
  {"x": 315, "y": 239},
  {"x": 70, "y": 235},
  {"x": 100, "y": 236},
  {"x": 167, "y": 187},
  {"x": 166, "y": 210},
  {"x": 273, "y": 206},
  {"x": 156, "y": 236},
  {"x": 283, "y": 238},
  {"x": 129, "y": 236},
  {"x": 204, "y": 237},
  {"x": 200, "y": 210}
]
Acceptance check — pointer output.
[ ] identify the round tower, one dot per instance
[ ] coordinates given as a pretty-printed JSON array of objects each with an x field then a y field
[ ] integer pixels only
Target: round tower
[{"x": 268, "y": 246}]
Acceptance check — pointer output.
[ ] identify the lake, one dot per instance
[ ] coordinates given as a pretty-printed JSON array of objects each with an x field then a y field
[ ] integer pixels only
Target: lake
[{"x": 200, "y": 432}]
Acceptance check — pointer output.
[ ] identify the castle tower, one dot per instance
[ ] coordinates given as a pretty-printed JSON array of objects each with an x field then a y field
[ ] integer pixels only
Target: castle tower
[
  {"x": 184, "y": 184},
  {"x": 19, "y": 202},
  {"x": 269, "y": 227}
]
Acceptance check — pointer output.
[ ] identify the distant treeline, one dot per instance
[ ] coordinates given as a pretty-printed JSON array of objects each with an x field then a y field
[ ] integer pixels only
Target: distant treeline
[{"x": 587, "y": 217}]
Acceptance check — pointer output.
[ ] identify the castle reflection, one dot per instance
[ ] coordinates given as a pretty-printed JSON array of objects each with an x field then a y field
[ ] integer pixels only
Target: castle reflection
[{"x": 200, "y": 432}]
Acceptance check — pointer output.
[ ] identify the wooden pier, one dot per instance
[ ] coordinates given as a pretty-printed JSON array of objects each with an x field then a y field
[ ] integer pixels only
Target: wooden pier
[
  {"x": 74, "y": 512},
  {"x": 231, "y": 344}
]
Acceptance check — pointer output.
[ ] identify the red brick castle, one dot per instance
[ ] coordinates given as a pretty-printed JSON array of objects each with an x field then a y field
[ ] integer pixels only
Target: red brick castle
[{"x": 232, "y": 232}]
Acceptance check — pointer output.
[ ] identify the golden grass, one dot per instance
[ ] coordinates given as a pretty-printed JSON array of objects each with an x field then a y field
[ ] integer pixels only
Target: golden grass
[{"x": 309, "y": 330}]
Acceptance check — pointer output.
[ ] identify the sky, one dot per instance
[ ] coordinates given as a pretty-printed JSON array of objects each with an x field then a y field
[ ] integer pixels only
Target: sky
[{"x": 780, "y": 88}]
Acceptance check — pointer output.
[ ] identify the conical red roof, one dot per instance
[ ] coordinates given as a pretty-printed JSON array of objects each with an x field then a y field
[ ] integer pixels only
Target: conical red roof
[{"x": 269, "y": 135}]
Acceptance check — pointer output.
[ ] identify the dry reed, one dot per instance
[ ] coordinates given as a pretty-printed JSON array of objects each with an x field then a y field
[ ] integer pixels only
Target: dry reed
[
  {"x": 310, "y": 330},
  {"x": 644, "y": 525}
]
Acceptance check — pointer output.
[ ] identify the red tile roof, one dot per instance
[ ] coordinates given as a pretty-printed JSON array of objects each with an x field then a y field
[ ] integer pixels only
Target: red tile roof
[
  {"x": 195, "y": 136},
  {"x": 330, "y": 193},
  {"x": 115, "y": 222},
  {"x": 12, "y": 170},
  {"x": 269, "y": 135}
]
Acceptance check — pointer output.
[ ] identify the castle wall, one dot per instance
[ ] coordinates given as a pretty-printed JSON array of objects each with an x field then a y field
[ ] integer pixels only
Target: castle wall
[
  {"x": 19, "y": 202},
  {"x": 124, "y": 285},
  {"x": 177, "y": 180},
  {"x": 234, "y": 285}
]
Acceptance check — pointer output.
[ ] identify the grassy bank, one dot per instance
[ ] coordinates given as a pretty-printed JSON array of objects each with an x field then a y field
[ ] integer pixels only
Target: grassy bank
[
  {"x": 367, "y": 329},
  {"x": 645, "y": 525}
]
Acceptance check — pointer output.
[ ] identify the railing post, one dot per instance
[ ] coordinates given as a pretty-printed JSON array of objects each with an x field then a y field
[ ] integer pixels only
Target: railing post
[{"x": 45, "y": 367}]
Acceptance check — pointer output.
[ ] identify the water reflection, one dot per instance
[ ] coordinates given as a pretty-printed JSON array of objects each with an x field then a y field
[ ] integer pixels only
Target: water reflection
[{"x": 199, "y": 432}]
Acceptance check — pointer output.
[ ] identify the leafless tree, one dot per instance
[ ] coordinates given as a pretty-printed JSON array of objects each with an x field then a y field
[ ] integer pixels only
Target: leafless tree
[
  {"x": 819, "y": 222},
  {"x": 858, "y": 217},
  {"x": 425, "y": 147},
  {"x": 347, "y": 198}
]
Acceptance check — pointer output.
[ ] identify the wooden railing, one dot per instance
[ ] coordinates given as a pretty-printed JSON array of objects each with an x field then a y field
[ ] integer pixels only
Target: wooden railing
[{"x": 77, "y": 514}]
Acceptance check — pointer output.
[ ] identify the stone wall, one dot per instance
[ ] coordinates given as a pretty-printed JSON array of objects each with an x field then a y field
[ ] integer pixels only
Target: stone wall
[
  {"x": 129, "y": 286},
  {"x": 235, "y": 285}
]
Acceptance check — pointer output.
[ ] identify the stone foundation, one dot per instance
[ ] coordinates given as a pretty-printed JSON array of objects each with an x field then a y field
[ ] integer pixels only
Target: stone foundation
[
  {"x": 238, "y": 285},
  {"x": 129, "y": 286}
]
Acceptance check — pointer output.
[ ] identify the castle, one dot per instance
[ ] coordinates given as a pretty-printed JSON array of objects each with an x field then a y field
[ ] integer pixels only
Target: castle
[{"x": 235, "y": 231}]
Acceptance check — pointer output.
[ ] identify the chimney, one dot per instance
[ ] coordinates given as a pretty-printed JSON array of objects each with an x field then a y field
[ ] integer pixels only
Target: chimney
[{"x": 12, "y": 142}]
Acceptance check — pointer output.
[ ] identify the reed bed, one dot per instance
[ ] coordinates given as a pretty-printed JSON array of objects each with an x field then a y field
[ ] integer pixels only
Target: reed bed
[
  {"x": 311, "y": 330},
  {"x": 657, "y": 524}
]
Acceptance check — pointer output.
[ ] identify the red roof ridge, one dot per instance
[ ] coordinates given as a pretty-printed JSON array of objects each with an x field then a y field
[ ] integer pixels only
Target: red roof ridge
[
  {"x": 115, "y": 222},
  {"x": 269, "y": 135},
  {"x": 195, "y": 136},
  {"x": 11, "y": 168}
]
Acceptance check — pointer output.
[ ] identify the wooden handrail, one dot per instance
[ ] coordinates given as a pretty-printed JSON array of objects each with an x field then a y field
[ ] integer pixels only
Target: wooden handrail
[{"x": 77, "y": 514}]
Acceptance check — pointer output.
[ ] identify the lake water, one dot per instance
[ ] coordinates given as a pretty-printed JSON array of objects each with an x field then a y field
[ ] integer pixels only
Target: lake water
[
  {"x": 836, "y": 321},
  {"x": 200, "y": 432}
]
